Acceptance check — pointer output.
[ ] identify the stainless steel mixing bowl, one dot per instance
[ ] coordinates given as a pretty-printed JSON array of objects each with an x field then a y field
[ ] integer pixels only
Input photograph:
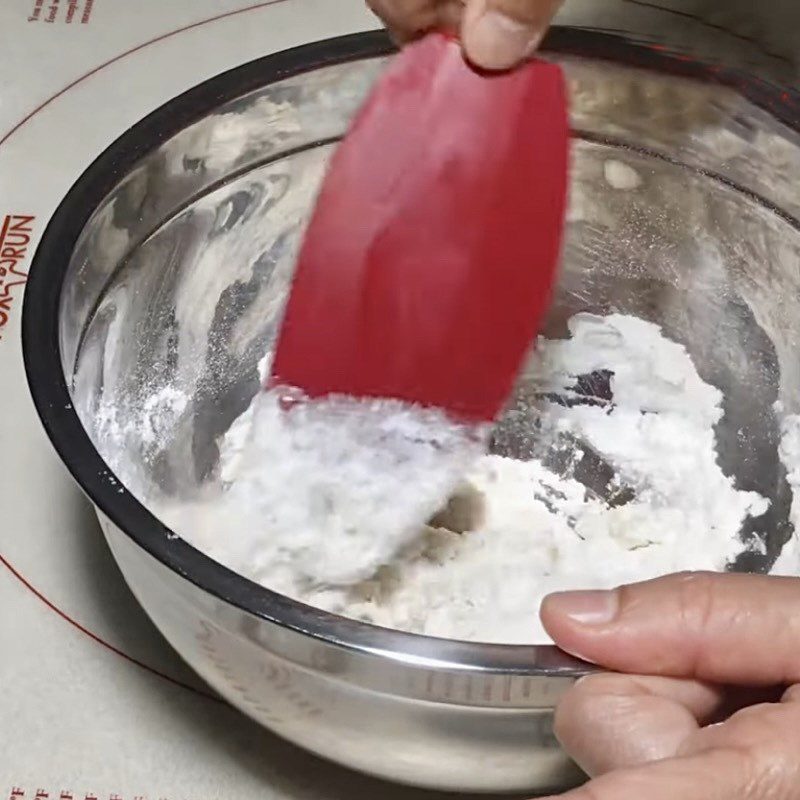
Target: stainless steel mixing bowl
[{"x": 167, "y": 264}]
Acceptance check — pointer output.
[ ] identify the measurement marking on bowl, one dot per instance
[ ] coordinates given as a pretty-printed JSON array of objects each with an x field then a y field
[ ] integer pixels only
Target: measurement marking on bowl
[
  {"x": 448, "y": 686},
  {"x": 278, "y": 682}
]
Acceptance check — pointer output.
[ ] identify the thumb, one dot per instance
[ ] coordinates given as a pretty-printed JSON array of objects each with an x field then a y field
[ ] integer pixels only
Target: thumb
[
  {"x": 609, "y": 721},
  {"x": 727, "y": 629},
  {"x": 498, "y": 34}
]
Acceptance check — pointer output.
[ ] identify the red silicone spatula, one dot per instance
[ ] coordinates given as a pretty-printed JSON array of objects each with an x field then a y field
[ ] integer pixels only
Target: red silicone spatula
[{"x": 430, "y": 257}]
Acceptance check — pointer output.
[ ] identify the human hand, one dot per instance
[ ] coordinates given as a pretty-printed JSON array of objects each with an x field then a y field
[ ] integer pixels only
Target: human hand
[
  {"x": 708, "y": 709},
  {"x": 496, "y": 34}
]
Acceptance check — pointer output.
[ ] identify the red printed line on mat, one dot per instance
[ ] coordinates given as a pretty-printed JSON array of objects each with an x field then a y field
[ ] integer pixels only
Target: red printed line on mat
[
  {"x": 97, "y": 639},
  {"x": 137, "y": 48},
  {"x": 3, "y": 139},
  {"x": 21, "y": 793}
]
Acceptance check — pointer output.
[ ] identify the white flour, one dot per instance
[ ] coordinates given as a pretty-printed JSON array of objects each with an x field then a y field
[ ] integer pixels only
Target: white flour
[
  {"x": 324, "y": 493},
  {"x": 328, "y": 502},
  {"x": 788, "y": 563}
]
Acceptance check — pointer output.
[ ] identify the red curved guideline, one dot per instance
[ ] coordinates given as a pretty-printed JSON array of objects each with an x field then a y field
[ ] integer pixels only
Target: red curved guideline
[
  {"x": 102, "y": 642},
  {"x": 431, "y": 255},
  {"x": 3, "y": 139}
]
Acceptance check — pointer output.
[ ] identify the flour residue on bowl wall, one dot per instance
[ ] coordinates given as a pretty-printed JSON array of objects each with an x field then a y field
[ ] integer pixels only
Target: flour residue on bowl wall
[{"x": 303, "y": 503}]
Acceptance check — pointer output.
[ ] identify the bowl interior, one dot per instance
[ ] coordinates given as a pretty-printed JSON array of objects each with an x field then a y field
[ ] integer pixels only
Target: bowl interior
[{"x": 682, "y": 214}]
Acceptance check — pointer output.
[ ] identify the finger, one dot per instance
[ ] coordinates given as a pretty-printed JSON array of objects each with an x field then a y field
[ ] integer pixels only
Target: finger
[
  {"x": 451, "y": 16},
  {"x": 408, "y": 19},
  {"x": 498, "y": 34},
  {"x": 728, "y": 629},
  {"x": 716, "y": 775},
  {"x": 765, "y": 737},
  {"x": 759, "y": 730},
  {"x": 791, "y": 695},
  {"x": 752, "y": 756},
  {"x": 609, "y": 722}
]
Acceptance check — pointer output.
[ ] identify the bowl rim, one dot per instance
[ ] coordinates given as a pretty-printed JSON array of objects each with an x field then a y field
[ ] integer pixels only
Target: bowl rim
[{"x": 53, "y": 402}]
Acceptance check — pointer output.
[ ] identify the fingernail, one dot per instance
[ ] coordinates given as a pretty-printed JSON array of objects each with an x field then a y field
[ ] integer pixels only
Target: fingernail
[
  {"x": 496, "y": 41},
  {"x": 585, "y": 608}
]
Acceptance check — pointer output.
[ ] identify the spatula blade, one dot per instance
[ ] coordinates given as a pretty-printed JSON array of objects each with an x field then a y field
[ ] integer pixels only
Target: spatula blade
[{"x": 431, "y": 254}]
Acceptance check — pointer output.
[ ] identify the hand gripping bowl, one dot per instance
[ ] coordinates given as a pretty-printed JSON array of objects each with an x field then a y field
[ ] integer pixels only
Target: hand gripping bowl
[{"x": 167, "y": 264}]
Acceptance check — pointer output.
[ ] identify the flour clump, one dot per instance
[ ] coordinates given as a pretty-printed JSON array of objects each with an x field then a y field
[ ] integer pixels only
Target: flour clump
[{"x": 325, "y": 492}]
